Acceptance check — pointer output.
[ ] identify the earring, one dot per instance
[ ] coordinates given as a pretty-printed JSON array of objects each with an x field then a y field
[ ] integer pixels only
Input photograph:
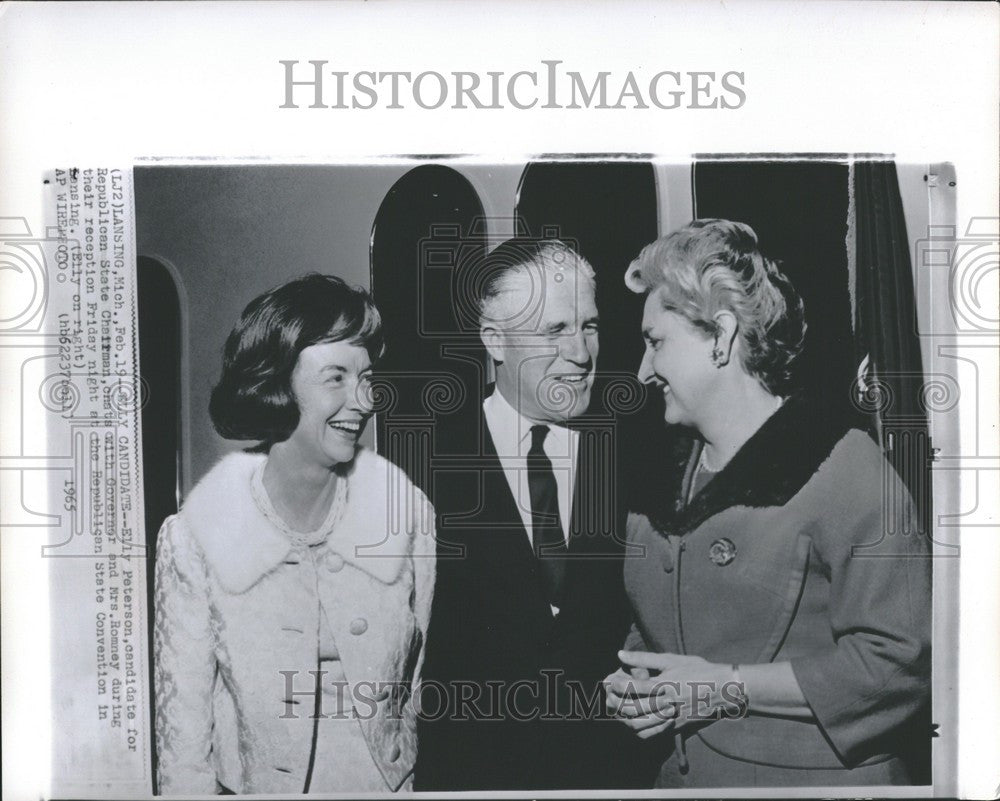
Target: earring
[{"x": 717, "y": 356}]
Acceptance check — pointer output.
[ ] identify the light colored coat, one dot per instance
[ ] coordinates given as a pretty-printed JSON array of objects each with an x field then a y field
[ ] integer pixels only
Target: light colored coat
[{"x": 237, "y": 621}]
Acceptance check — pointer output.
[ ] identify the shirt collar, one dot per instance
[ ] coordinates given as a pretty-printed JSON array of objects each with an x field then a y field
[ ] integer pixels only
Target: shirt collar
[{"x": 511, "y": 431}]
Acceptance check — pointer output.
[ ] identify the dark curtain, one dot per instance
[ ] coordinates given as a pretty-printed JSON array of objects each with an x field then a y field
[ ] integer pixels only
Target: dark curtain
[{"x": 890, "y": 390}]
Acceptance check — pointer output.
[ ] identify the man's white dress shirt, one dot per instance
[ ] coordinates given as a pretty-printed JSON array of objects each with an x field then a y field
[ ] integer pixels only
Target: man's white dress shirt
[{"x": 512, "y": 437}]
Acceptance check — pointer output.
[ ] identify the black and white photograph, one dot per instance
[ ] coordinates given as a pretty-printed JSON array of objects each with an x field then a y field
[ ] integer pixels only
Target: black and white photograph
[
  {"x": 626, "y": 489},
  {"x": 509, "y": 400}
]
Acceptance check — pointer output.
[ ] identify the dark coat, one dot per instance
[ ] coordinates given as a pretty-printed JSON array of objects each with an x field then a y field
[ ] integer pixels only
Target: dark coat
[
  {"x": 829, "y": 573},
  {"x": 492, "y": 625}
]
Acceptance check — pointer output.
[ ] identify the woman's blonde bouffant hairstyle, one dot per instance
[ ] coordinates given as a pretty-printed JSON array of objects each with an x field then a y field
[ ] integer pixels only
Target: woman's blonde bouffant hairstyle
[{"x": 713, "y": 265}]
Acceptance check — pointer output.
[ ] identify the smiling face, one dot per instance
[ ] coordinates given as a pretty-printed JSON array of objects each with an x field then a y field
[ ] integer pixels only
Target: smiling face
[
  {"x": 678, "y": 360},
  {"x": 328, "y": 386},
  {"x": 545, "y": 364}
]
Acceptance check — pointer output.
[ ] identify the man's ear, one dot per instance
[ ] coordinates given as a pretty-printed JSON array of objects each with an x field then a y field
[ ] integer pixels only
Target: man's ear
[
  {"x": 725, "y": 338},
  {"x": 493, "y": 341}
]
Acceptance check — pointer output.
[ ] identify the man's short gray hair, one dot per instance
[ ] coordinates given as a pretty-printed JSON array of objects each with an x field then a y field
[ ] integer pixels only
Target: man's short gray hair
[{"x": 516, "y": 256}]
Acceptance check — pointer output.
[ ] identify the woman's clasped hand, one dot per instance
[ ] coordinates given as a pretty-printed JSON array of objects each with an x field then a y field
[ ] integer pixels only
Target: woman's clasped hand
[{"x": 656, "y": 692}]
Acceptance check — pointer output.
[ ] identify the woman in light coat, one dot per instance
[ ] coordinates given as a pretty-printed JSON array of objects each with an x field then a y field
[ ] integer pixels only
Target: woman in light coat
[
  {"x": 781, "y": 613},
  {"x": 294, "y": 586}
]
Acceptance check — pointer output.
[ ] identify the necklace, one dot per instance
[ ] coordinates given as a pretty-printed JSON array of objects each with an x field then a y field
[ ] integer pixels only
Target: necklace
[
  {"x": 306, "y": 538},
  {"x": 703, "y": 463}
]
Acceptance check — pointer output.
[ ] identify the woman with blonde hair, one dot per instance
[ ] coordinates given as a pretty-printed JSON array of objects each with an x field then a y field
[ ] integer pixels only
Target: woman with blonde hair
[{"x": 780, "y": 632}]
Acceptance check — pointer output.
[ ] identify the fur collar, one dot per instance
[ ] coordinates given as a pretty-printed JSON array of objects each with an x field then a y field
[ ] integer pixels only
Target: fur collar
[
  {"x": 769, "y": 470},
  {"x": 241, "y": 545}
]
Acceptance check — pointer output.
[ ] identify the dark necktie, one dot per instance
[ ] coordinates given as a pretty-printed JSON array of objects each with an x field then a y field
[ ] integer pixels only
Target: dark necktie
[{"x": 547, "y": 532}]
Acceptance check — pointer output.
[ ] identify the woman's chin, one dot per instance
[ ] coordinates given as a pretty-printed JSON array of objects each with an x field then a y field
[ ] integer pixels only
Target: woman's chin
[
  {"x": 672, "y": 416},
  {"x": 340, "y": 452},
  {"x": 344, "y": 456}
]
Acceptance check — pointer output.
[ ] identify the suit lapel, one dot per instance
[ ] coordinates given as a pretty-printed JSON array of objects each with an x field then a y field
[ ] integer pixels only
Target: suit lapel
[{"x": 500, "y": 507}]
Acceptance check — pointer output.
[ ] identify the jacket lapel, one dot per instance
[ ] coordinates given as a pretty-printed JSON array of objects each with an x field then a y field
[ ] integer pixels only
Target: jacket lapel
[
  {"x": 239, "y": 543},
  {"x": 501, "y": 506},
  {"x": 382, "y": 510}
]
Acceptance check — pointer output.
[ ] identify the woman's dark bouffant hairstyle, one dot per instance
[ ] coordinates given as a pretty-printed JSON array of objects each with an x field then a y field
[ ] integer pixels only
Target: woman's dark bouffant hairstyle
[
  {"x": 710, "y": 265},
  {"x": 253, "y": 399}
]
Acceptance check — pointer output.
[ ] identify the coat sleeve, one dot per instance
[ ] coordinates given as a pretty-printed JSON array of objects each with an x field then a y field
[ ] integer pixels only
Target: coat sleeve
[
  {"x": 876, "y": 675},
  {"x": 184, "y": 665},
  {"x": 424, "y": 570}
]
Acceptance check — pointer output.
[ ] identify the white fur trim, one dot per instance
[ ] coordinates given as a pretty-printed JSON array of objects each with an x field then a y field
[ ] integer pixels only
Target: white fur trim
[{"x": 383, "y": 513}]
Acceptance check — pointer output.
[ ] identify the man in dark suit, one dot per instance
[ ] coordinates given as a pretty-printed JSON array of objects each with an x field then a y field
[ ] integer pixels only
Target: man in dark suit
[{"x": 529, "y": 608}]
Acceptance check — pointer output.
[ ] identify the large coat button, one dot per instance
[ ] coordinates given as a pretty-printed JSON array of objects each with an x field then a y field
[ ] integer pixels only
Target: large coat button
[
  {"x": 359, "y": 625},
  {"x": 334, "y": 562}
]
